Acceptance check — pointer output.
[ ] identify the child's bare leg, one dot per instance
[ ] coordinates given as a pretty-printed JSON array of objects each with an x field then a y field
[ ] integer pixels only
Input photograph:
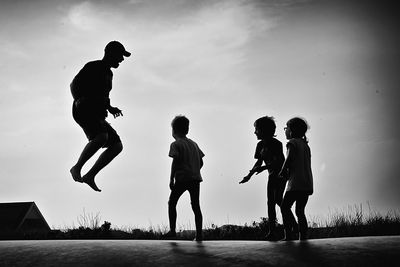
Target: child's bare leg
[
  {"x": 88, "y": 151},
  {"x": 288, "y": 218},
  {"x": 104, "y": 159},
  {"x": 172, "y": 216},
  {"x": 194, "y": 192},
  {"x": 176, "y": 192},
  {"x": 198, "y": 217},
  {"x": 301, "y": 217}
]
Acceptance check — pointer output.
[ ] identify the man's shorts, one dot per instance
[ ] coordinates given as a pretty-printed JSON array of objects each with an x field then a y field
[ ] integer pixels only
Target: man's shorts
[{"x": 94, "y": 125}]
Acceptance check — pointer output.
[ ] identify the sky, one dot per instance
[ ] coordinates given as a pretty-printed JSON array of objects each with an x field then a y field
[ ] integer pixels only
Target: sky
[{"x": 223, "y": 64}]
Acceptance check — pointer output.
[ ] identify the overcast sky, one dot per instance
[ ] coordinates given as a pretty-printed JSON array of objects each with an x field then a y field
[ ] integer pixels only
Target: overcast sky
[{"x": 223, "y": 64}]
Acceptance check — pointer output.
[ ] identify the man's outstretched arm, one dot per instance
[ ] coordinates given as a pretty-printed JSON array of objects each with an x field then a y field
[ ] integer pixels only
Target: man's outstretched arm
[{"x": 116, "y": 112}]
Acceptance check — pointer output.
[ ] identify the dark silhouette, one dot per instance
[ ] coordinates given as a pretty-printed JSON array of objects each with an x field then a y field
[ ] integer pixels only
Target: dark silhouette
[
  {"x": 21, "y": 218},
  {"x": 270, "y": 152},
  {"x": 297, "y": 170},
  {"x": 187, "y": 160},
  {"x": 90, "y": 89}
]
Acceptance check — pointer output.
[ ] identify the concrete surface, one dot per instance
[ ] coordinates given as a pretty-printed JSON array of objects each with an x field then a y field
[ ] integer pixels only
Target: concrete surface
[{"x": 361, "y": 251}]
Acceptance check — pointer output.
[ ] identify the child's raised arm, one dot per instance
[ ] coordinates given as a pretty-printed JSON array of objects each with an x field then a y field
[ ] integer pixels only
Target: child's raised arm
[{"x": 256, "y": 169}]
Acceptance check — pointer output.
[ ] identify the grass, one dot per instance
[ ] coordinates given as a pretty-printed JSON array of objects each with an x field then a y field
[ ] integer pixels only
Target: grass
[
  {"x": 351, "y": 222},
  {"x": 355, "y": 222}
]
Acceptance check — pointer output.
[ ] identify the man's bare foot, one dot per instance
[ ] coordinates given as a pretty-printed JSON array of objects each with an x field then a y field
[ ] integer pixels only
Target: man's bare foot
[
  {"x": 76, "y": 174},
  {"x": 90, "y": 182}
]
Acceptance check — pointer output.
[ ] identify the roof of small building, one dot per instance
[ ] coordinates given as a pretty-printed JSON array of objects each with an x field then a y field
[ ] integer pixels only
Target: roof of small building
[{"x": 14, "y": 215}]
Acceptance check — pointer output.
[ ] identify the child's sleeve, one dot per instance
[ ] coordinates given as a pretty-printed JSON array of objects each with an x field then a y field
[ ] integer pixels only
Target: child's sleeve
[
  {"x": 200, "y": 152},
  {"x": 173, "y": 150},
  {"x": 259, "y": 147}
]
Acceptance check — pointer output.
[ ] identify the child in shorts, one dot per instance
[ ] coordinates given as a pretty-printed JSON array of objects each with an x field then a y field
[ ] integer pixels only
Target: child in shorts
[
  {"x": 270, "y": 152},
  {"x": 187, "y": 160}
]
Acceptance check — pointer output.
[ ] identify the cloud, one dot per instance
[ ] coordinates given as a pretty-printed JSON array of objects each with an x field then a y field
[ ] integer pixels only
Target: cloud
[
  {"x": 136, "y": 1},
  {"x": 288, "y": 3},
  {"x": 85, "y": 16},
  {"x": 9, "y": 49},
  {"x": 211, "y": 40}
]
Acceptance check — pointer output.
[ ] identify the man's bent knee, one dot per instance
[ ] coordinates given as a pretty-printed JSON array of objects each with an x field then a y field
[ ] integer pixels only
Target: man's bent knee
[{"x": 118, "y": 147}]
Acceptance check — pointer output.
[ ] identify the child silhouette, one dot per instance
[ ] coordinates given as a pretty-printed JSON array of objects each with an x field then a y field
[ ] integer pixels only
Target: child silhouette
[
  {"x": 187, "y": 160},
  {"x": 297, "y": 170},
  {"x": 270, "y": 152}
]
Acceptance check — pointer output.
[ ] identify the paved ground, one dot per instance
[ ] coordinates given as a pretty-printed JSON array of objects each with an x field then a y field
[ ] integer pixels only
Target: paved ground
[{"x": 364, "y": 251}]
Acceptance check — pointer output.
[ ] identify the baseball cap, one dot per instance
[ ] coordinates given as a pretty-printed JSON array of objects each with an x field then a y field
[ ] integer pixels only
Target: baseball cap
[{"x": 116, "y": 47}]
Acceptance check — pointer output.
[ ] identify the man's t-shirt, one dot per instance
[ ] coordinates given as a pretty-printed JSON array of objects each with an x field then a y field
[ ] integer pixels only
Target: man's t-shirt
[
  {"x": 189, "y": 160},
  {"x": 91, "y": 88},
  {"x": 271, "y": 152}
]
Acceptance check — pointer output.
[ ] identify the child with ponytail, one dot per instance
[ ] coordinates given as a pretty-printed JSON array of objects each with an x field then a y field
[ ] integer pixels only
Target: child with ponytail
[{"x": 297, "y": 170}]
